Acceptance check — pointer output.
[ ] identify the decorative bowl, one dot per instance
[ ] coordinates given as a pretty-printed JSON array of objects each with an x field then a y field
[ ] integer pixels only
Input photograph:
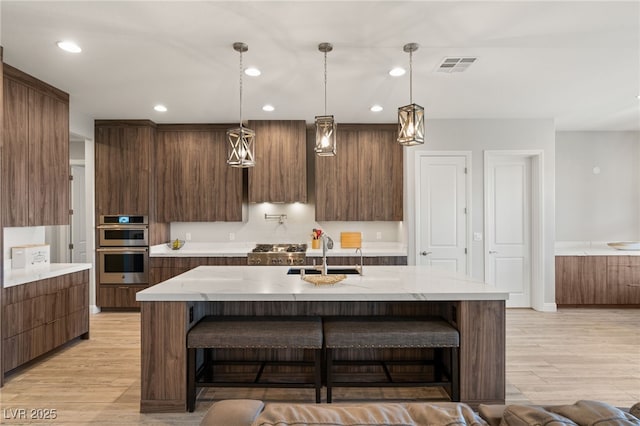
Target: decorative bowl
[
  {"x": 629, "y": 245},
  {"x": 175, "y": 244}
]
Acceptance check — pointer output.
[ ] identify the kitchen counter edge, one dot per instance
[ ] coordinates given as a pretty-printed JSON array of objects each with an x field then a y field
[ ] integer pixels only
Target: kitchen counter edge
[{"x": 14, "y": 277}]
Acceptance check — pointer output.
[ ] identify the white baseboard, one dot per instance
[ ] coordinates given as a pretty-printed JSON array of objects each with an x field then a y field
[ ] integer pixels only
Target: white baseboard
[
  {"x": 93, "y": 309},
  {"x": 549, "y": 307}
]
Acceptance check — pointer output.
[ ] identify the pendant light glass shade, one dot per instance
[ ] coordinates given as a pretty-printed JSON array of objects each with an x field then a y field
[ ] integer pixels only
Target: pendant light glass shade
[
  {"x": 410, "y": 117},
  {"x": 325, "y": 124},
  {"x": 241, "y": 140}
]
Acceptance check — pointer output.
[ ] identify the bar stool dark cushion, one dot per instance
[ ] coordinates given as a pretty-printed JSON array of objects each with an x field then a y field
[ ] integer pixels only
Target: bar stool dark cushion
[
  {"x": 362, "y": 333},
  {"x": 266, "y": 332}
]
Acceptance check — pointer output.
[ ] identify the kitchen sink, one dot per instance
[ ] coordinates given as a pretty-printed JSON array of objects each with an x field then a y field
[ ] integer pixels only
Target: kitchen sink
[{"x": 330, "y": 271}]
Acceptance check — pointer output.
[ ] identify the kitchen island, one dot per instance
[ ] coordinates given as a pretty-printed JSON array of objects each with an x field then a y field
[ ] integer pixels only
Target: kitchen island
[{"x": 171, "y": 308}]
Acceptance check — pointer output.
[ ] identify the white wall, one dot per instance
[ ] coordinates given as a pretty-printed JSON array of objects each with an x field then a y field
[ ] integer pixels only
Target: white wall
[
  {"x": 477, "y": 136},
  {"x": 592, "y": 206}
]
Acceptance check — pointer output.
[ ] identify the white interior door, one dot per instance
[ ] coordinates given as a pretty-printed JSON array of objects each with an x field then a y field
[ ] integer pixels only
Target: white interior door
[
  {"x": 442, "y": 213},
  {"x": 78, "y": 218},
  {"x": 508, "y": 221}
]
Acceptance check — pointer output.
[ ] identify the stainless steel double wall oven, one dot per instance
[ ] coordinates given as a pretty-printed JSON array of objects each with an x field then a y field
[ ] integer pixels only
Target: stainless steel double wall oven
[{"x": 123, "y": 249}]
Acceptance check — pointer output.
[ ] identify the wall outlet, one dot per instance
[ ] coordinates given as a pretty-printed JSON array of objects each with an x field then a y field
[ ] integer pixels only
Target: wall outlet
[
  {"x": 378, "y": 235},
  {"x": 187, "y": 236},
  {"x": 232, "y": 236}
]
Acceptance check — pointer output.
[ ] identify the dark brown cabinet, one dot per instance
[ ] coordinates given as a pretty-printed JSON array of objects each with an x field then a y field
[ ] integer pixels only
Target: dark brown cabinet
[
  {"x": 125, "y": 184},
  {"x": 163, "y": 268},
  {"x": 280, "y": 173},
  {"x": 42, "y": 315},
  {"x": 194, "y": 182},
  {"x": 123, "y": 163},
  {"x": 119, "y": 296},
  {"x": 355, "y": 260},
  {"x": 363, "y": 182},
  {"x": 623, "y": 280},
  {"x": 598, "y": 280},
  {"x": 36, "y": 152}
]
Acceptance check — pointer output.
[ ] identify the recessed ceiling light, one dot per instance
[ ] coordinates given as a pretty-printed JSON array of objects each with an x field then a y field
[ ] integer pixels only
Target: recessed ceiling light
[
  {"x": 160, "y": 108},
  {"x": 252, "y": 72},
  {"x": 376, "y": 108},
  {"x": 69, "y": 46},
  {"x": 268, "y": 108},
  {"x": 397, "y": 72}
]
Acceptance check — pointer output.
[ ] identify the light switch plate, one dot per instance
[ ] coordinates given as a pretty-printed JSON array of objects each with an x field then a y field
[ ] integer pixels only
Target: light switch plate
[{"x": 477, "y": 236}]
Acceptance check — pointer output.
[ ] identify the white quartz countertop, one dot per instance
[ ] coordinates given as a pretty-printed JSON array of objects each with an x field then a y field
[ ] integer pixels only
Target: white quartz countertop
[
  {"x": 271, "y": 283},
  {"x": 13, "y": 277},
  {"x": 240, "y": 249},
  {"x": 194, "y": 249},
  {"x": 590, "y": 248}
]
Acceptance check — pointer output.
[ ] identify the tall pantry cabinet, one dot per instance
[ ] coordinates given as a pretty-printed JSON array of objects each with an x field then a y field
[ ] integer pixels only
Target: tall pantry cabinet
[
  {"x": 125, "y": 184},
  {"x": 35, "y": 163}
]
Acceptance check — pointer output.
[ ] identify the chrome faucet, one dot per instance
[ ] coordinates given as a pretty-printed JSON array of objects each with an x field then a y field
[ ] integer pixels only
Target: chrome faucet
[
  {"x": 327, "y": 244},
  {"x": 360, "y": 267}
]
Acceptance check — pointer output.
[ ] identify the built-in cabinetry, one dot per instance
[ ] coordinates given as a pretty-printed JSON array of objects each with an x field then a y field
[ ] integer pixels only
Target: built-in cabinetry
[
  {"x": 355, "y": 260},
  {"x": 163, "y": 268},
  {"x": 280, "y": 173},
  {"x": 363, "y": 182},
  {"x": 123, "y": 166},
  {"x": 35, "y": 163},
  {"x": 125, "y": 184},
  {"x": 42, "y": 315},
  {"x": 598, "y": 280},
  {"x": 194, "y": 182}
]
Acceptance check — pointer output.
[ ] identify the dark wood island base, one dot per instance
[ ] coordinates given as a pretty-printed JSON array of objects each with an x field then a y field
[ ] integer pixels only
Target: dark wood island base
[{"x": 481, "y": 324}]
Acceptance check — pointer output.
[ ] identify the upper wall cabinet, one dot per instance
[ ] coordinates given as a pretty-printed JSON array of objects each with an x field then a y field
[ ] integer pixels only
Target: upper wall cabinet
[
  {"x": 363, "y": 182},
  {"x": 280, "y": 173},
  {"x": 123, "y": 150},
  {"x": 194, "y": 182},
  {"x": 35, "y": 162}
]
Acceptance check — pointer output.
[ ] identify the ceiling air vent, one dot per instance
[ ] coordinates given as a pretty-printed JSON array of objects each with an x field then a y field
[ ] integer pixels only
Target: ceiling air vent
[{"x": 458, "y": 64}]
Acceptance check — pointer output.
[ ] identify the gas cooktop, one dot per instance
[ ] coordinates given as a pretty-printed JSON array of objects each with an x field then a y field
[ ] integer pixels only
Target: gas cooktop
[{"x": 278, "y": 254}]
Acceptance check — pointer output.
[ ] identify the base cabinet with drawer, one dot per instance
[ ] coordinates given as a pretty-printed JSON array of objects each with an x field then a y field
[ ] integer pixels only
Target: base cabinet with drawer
[
  {"x": 42, "y": 315},
  {"x": 113, "y": 297},
  {"x": 598, "y": 280},
  {"x": 164, "y": 268}
]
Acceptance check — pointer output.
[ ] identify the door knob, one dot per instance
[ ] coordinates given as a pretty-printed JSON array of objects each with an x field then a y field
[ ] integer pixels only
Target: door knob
[
  {"x": 492, "y": 251},
  {"x": 425, "y": 253}
]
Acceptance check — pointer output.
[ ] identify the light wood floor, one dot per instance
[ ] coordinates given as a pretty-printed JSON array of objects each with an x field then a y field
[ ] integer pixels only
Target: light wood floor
[{"x": 551, "y": 358}]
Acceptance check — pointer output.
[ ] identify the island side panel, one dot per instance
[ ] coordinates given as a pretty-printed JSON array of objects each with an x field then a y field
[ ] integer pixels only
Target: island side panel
[
  {"x": 164, "y": 327},
  {"x": 482, "y": 351}
]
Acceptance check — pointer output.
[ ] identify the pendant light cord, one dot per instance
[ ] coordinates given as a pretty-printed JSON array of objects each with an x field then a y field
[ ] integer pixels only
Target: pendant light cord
[
  {"x": 325, "y": 82},
  {"x": 241, "y": 88},
  {"x": 411, "y": 77}
]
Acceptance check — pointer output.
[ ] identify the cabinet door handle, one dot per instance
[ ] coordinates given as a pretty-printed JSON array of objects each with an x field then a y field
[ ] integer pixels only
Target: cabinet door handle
[
  {"x": 425, "y": 253},
  {"x": 492, "y": 252}
]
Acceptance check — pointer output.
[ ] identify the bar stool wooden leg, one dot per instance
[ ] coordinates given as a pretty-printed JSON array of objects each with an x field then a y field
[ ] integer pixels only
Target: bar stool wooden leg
[{"x": 317, "y": 371}]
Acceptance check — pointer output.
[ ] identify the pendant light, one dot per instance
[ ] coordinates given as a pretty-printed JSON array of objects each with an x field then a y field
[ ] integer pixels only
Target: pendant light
[
  {"x": 410, "y": 117},
  {"x": 325, "y": 124},
  {"x": 241, "y": 140}
]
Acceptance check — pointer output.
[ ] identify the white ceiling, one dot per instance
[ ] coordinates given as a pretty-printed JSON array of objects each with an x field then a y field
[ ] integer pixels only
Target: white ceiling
[{"x": 577, "y": 62}]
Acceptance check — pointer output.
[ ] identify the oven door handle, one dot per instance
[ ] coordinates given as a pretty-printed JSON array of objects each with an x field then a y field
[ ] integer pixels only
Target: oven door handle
[
  {"x": 123, "y": 226},
  {"x": 123, "y": 249}
]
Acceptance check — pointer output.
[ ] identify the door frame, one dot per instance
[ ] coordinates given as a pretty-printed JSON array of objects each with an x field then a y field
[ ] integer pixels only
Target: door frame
[
  {"x": 536, "y": 214},
  {"x": 468, "y": 199}
]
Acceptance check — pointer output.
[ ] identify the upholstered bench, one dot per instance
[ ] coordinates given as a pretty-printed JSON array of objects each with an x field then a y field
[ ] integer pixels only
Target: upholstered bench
[
  {"x": 387, "y": 333},
  {"x": 253, "y": 333}
]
